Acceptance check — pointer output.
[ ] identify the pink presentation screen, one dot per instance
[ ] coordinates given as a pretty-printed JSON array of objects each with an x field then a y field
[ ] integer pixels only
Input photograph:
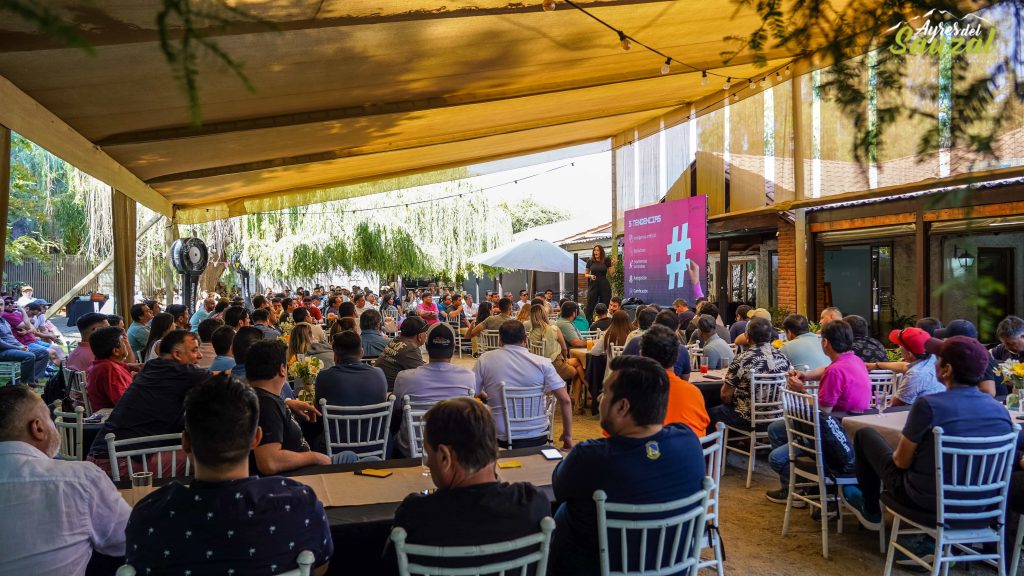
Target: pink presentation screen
[{"x": 665, "y": 251}]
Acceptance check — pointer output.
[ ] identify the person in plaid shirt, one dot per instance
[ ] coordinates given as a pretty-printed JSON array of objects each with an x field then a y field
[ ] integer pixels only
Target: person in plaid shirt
[{"x": 761, "y": 358}]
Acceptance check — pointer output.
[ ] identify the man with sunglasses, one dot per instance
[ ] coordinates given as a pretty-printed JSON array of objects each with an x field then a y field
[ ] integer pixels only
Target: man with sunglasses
[{"x": 33, "y": 359}]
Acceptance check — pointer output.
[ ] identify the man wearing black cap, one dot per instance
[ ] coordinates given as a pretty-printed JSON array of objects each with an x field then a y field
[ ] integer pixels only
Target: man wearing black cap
[
  {"x": 992, "y": 382},
  {"x": 403, "y": 352},
  {"x": 432, "y": 382},
  {"x": 908, "y": 473}
]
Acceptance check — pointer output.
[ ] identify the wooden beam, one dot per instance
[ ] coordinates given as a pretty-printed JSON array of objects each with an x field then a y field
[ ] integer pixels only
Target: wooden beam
[
  {"x": 29, "y": 118},
  {"x": 983, "y": 211},
  {"x": 5, "y": 190},
  {"x": 866, "y": 222}
]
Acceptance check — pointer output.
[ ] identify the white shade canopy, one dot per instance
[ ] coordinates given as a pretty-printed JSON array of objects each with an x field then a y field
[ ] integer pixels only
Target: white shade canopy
[{"x": 535, "y": 255}]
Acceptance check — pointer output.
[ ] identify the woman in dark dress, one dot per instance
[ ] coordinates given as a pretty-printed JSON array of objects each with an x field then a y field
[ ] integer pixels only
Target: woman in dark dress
[{"x": 599, "y": 266}]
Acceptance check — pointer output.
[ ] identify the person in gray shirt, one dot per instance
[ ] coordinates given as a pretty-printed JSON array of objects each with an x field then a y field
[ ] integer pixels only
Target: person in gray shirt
[
  {"x": 802, "y": 346},
  {"x": 403, "y": 352},
  {"x": 717, "y": 353}
]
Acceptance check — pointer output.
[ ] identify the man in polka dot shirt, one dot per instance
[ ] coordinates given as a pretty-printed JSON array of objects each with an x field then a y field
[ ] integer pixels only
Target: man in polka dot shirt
[{"x": 225, "y": 521}]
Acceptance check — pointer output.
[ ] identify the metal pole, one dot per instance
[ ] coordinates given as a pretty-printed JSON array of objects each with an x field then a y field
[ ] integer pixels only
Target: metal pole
[
  {"x": 576, "y": 278},
  {"x": 5, "y": 190}
]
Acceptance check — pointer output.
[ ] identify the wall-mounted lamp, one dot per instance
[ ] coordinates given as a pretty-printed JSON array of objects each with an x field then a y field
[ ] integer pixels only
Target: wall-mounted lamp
[{"x": 964, "y": 257}]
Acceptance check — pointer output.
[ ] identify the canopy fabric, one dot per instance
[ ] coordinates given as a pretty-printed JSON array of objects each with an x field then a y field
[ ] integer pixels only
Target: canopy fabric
[
  {"x": 348, "y": 92},
  {"x": 534, "y": 255}
]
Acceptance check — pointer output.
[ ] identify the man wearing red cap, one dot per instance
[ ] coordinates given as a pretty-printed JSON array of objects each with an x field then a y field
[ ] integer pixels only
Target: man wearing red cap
[
  {"x": 908, "y": 473},
  {"x": 920, "y": 378}
]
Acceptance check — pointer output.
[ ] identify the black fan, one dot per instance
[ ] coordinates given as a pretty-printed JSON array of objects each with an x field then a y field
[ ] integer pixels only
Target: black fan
[{"x": 189, "y": 257}]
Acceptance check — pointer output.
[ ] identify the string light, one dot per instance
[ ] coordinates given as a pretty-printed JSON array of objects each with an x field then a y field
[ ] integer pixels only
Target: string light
[
  {"x": 787, "y": 69},
  {"x": 778, "y": 77},
  {"x": 750, "y": 83},
  {"x": 624, "y": 41},
  {"x": 666, "y": 67},
  {"x": 728, "y": 83},
  {"x": 763, "y": 82},
  {"x": 704, "y": 78},
  {"x": 548, "y": 5}
]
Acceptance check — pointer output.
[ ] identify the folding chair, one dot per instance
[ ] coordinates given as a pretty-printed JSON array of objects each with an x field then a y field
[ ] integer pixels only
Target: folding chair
[
  {"x": 167, "y": 443},
  {"x": 806, "y": 463},
  {"x": 524, "y": 412},
  {"x": 527, "y": 548},
  {"x": 765, "y": 408},
  {"x": 70, "y": 427},
  {"x": 714, "y": 461},
  {"x": 671, "y": 540},
  {"x": 361, "y": 429},
  {"x": 972, "y": 478}
]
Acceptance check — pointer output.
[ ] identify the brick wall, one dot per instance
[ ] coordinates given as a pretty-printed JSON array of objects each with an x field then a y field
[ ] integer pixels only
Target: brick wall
[{"x": 787, "y": 265}]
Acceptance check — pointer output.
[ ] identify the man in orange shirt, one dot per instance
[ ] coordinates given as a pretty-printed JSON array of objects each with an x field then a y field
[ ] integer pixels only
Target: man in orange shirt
[{"x": 685, "y": 402}]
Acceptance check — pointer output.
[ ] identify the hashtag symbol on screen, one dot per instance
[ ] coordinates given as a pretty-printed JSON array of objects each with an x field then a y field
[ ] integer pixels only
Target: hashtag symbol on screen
[{"x": 677, "y": 261}]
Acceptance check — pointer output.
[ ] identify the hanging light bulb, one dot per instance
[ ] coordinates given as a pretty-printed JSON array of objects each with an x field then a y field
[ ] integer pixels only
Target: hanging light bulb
[
  {"x": 548, "y": 5},
  {"x": 704, "y": 78},
  {"x": 778, "y": 77},
  {"x": 728, "y": 83},
  {"x": 667, "y": 66},
  {"x": 763, "y": 82},
  {"x": 750, "y": 84},
  {"x": 787, "y": 69},
  {"x": 624, "y": 41},
  {"x": 735, "y": 96}
]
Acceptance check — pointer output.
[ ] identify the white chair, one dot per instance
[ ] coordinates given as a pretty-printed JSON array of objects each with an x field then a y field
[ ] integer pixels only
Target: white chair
[
  {"x": 806, "y": 463},
  {"x": 166, "y": 444},
  {"x": 614, "y": 351},
  {"x": 972, "y": 478},
  {"x": 525, "y": 546},
  {"x": 305, "y": 562},
  {"x": 765, "y": 408},
  {"x": 76, "y": 387},
  {"x": 672, "y": 540},
  {"x": 696, "y": 356},
  {"x": 524, "y": 412},
  {"x": 590, "y": 334},
  {"x": 881, "y": 381},
  {"x": 368, "y": 361},
  {"x": 361, "y": 429},
  {"x": 537, "y": 348},
  {"x": 412, "y": 413},
  {"x": 453, "y": 323},
  {"x": 714, "y": 461},
  {"x": 489, "y": 340},
  {"x": 10, "y": 372},
  {"x": 70, "y": 427}
]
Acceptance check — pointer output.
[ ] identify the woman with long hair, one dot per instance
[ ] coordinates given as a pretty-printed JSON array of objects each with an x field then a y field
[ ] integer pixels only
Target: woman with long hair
[
  {"x": 299, "y": 341},
  {"x": 524, "y": 313},
  {"x": 162, "y": 324},
  {"x": 599, "y": 266},
  {"x": 550, "y": 337},
  {"x": 409, "y": 302}
]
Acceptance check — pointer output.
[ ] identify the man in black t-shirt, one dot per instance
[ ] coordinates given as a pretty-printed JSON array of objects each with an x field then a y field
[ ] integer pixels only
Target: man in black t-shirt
[
  {"x": 225, "y": 521},
  {"x": 470, "y": 507},
  {"x": 603, "y": 319}
]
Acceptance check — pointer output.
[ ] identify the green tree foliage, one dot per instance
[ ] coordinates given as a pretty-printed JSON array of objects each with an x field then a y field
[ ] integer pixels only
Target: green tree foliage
[{"x": 528, "y": 213}]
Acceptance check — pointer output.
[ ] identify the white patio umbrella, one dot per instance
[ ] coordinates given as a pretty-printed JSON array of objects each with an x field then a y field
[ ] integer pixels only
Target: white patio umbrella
[{"x": 534, "y": 255}]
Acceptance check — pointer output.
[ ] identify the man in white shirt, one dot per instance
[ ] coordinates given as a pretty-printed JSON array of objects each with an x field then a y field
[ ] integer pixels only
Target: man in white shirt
[
  {"x": 514, "y": 365},
  {"x": 432, "y": 382},
  {"x": 524, "y": 299},
  {"x": 73, "y": 507},
  {"x": 469, "y": 306}
]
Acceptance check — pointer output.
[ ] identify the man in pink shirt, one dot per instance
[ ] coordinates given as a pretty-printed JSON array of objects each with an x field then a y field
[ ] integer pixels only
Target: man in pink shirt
[
  {"x": 82, "y": 357},
  {"x": 427, "y": 309},
  {"x": 109, "y": 376},
  {"x": 844, "y": 386}
]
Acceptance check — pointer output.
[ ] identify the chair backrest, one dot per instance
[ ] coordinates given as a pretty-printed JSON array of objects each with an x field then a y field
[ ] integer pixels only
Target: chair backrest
[
  {"x": 532, "y": 551},
  {"x": 391, "y": 313},
  {"x": 524, "y": 409},
  {"x": 369, "y": 361},
  {"x": 537, "y": 348},
  {"x": 489, "y": 340},
  {"x": 138, "y": 458},
  {"x": 696, "y": 355},
  {"x": 972, "y": 477},
  {"x": 361, "y": 429},
  {"x": 590, "y": 334},
  {"x": 802, "y": 430},
  {"x": 10, "y": 373},
  {"x": 70, "y": 427},
  {"x": 881, "y": 381},
  {"x": 671, "y": 540},
  {"x": 75, "y": 382},
  {"x": 413, "y": 413},
  {"x": 614, "y": 351},
  {"x": 305, "y": 562},
  {"x": 713, "y": 446},
  {"x": 765, "y": 399}
]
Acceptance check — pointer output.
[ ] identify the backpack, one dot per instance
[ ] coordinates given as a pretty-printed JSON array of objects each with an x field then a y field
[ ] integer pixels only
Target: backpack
[
  {"x": 56, "y": 389},
  {"x": 835, "y": 447}
]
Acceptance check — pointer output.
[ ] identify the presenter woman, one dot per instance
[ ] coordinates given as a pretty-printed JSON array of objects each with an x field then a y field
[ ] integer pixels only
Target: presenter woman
[{"x": 600, "y": 289}]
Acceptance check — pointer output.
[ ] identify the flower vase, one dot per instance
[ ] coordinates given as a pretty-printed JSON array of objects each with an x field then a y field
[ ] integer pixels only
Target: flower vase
[{"x": 307, "y": 391}]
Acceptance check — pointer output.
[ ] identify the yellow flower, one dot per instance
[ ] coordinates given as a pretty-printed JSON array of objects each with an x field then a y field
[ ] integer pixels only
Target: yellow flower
[
  {"x": 1018, "y": 369},
  {"x": 778, "y": 343}
]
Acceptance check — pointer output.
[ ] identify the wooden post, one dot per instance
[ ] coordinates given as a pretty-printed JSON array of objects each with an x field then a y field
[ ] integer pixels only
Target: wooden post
[
  {"x": 5, "y": 191},
  {"x": 723, "y": 280},
  {"x": 803, "y": 242},
  {"x": 921, "y": 266}
]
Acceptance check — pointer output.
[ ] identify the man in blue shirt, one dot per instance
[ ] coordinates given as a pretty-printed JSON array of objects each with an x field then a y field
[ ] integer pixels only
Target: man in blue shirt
[
  {"x": 373, "y": 340},
  {"x": 717, "y": 353},
  {"x": 802, "y": 347},
  {"x": 225, "y": 520},
  {"x": 33, "y": 360},
  {"x": 202, "y": 312},
  {"x": 908, "y": 473},
  {"x": 641, "y": 462}
]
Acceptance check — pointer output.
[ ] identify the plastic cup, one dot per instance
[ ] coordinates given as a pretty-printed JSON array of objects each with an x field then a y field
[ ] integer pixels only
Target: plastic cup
[
  {"x": 425, "y": 470},
  {"x": 142, "y": 485},
  {"x": 703, "y": 368}
]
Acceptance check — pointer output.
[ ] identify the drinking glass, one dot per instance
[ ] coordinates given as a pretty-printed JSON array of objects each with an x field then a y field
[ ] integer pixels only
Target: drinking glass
[
  {"x": 142, "y": 485},
  {"x": 703, "y": 368},
  {"x": 881, "y": 401},
  {"x": 425, "y": 470}
]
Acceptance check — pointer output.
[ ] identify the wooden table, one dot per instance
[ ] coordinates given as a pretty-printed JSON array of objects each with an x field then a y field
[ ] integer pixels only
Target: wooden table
[{"x": 581, "y": 354}]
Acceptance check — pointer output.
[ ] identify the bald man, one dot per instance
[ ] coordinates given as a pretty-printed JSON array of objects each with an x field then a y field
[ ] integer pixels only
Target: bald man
[
  {"x": 72, "y": 508},
  {"x": 202, "y": 312}
]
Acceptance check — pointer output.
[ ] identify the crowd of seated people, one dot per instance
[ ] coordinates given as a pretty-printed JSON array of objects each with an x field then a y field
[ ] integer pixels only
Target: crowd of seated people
[{"x": 196, "y": 367}]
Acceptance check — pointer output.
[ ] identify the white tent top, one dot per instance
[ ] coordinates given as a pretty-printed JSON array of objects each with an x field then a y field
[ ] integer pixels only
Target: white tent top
[{"x": 534, "y": 255}]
